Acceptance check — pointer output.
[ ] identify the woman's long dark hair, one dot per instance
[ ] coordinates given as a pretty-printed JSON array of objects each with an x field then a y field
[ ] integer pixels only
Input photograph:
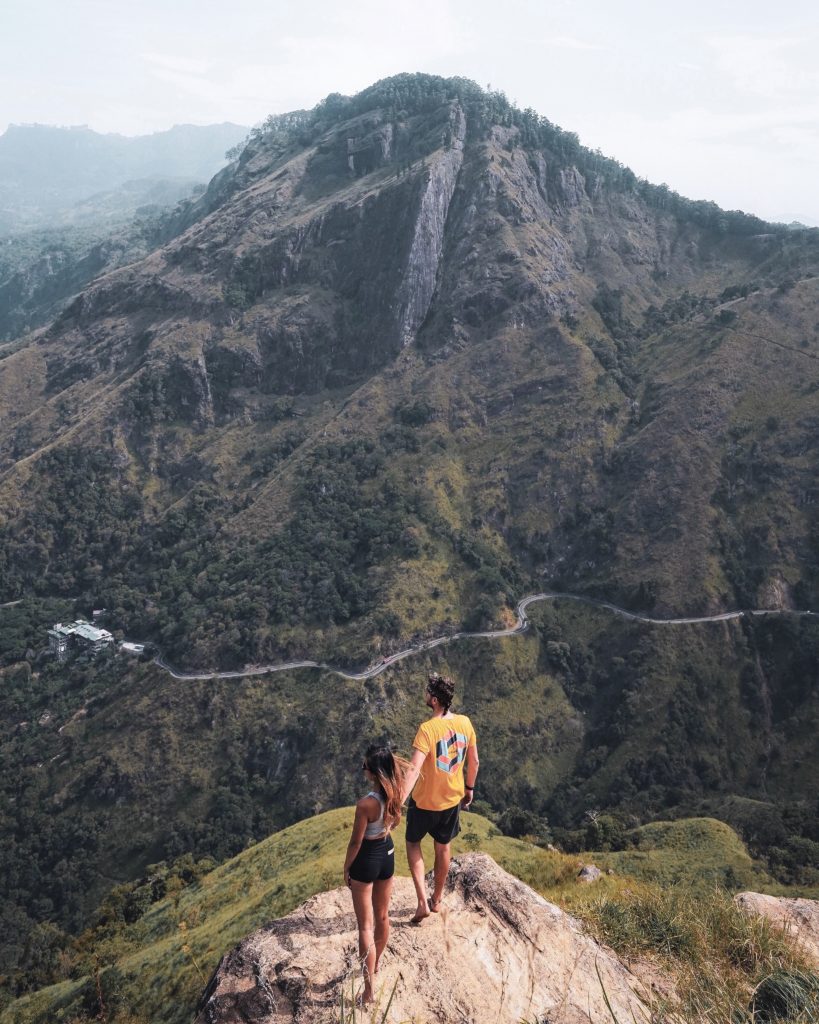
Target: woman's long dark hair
[{"x": 390, "y": 771}]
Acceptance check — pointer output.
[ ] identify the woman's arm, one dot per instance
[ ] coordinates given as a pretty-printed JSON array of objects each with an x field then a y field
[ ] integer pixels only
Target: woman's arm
[
  {"x": 362, "y": 818},
  {"x": 414, "y": 770}
]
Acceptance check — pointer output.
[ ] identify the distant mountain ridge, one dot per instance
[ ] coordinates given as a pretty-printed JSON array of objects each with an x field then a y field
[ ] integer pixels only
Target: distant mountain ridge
[
  {"x": 75, "y": 204},
  {"x": 46, "y": 170}
]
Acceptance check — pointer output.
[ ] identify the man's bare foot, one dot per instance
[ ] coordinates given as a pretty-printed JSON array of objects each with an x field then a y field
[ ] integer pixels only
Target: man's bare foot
[
  {"x": 435, "y": 904},
  {"x": 366, "y": 997},
  {"x": 420, "y": 914}
]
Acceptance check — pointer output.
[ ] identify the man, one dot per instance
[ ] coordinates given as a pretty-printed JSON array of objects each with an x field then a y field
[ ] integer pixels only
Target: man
[{"x": 441, "y": 748}]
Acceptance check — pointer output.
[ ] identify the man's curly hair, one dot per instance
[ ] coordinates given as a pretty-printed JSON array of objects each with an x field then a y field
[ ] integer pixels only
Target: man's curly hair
[{"x": 441, "y": 688}]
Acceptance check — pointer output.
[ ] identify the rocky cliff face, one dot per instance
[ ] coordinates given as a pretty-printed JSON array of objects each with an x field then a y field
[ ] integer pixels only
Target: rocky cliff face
[
  {"x": 496, "y": 952},
  {"x": 420, "y": 278},
  {"x": 570, "y": 375}
]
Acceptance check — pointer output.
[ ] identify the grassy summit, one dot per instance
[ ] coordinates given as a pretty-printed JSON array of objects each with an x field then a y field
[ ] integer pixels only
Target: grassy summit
[{"x": 150, "y": 957}]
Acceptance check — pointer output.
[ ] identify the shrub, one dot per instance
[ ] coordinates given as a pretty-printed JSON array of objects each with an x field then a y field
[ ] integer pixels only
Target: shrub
[{"x": 786, "y": 996}]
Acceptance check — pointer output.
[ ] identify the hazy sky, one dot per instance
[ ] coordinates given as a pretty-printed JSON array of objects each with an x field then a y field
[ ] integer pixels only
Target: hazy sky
[{"x": 719, "y": 99}]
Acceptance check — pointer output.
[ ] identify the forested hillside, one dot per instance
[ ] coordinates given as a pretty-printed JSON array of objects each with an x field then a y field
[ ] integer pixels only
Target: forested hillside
[
  {"x": 414, "y": 354},
  {"x": 419, "y": 343}
]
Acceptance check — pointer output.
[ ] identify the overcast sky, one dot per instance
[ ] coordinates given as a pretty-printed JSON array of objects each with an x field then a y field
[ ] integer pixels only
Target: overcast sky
[{"x": 719, "y": 99}]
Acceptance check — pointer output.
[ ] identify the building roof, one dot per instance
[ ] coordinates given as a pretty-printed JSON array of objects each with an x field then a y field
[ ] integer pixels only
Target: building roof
[
  {"x": 60, "y": 630},
  {"x": 92, "y": 633},
  {"x": 82, "y": 629}
]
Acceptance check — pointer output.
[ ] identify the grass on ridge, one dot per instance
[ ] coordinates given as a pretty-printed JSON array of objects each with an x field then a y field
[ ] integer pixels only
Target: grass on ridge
[{"x": 155, "y": 969}]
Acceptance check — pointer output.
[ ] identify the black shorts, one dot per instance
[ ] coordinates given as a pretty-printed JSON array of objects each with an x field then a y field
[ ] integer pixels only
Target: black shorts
[
  {"x": 375, "y": 861},
  {"x": 443, "y": 826}
]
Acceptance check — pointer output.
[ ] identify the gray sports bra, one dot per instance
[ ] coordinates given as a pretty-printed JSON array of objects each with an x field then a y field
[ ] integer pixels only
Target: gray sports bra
[{"x": 375, "y": 829}]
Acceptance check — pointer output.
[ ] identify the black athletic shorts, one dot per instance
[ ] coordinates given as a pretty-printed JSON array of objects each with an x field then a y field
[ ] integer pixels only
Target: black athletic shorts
[
  {"x": 443, "y": 826},
  {"x": 375, "y": 861}
]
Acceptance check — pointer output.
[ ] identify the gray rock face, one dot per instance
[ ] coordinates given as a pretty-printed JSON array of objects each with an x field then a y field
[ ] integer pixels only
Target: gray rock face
[
  {"x": 188, "y": 391},
  {"x": 373, "y": 150},
  {"x": 573, "y": 188},
  {"x": 589, "y": 873},
  {"x": 428, "y": 238},
  {"x": 497, "y": 951},
  {"x": 797, "y": 918}
]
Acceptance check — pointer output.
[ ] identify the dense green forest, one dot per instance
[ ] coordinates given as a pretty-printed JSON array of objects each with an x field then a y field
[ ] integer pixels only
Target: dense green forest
[
  {"x": 588, "y": 727},
  {"x": 413, "y": 355},
  {"x": 92, "y": 540}
]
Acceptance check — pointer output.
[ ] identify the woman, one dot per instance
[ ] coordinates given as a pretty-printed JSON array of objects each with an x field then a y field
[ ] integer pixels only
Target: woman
[{"x": 370, "y": 861}]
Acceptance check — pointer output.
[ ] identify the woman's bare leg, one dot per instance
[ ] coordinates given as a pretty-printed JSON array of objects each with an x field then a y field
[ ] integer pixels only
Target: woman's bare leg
[
  {"x": 363, "y": 905},
  {"x": 415, "y": 856},
  {"x": 382, "y": 891}
]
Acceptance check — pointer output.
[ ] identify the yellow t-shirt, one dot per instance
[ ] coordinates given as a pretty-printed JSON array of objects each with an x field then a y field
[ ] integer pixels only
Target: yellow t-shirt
[{"x": 445, "y": 742}]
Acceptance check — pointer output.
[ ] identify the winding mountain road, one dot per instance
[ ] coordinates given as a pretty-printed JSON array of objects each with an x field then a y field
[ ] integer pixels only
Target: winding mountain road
[{"x": 520, "y": 626}]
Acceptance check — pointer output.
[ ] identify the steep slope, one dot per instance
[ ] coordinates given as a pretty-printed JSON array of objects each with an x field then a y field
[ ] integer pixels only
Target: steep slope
[
  {"x": 154, "y": 943},
  {"x": 509, "y": 954},
  {"x": 417, "y": 351},
  {"x": 42, "y": 271},
  {"x": 585, "y": 729},
  {"x": 139, "y": 930}
]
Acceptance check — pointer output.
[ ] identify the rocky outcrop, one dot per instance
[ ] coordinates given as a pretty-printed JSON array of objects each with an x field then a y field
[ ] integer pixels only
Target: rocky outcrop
[
  {"x": 798, "y": 919},
  {"x": 428, "y": 239},
  {"x": 573, "y": 188},
  {"x": 371, "y": 151},
  {"x": 775, "y": 593},
  {"x": 496, "y": 952}
]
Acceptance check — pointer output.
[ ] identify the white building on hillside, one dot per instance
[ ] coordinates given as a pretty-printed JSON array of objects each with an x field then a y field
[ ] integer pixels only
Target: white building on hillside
[{"x": 79, "y": 636}]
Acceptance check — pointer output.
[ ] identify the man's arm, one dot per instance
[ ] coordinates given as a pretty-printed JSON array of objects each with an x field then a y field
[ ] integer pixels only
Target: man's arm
[
  {"x": 470, "y": 775},
  {"x": 414, "y": 770}
]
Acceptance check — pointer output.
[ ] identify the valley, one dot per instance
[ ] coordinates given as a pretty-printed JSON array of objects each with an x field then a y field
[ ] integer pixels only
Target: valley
[{"x": 311, "y": 434}]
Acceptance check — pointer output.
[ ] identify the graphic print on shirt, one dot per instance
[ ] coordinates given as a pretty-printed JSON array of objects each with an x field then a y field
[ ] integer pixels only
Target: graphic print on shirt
[{"x": 450, "y": 751}]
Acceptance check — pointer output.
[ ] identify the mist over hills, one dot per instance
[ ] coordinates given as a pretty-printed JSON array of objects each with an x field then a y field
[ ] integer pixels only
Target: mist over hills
[
  {"x": 75, "y": 204},
  {"x": 46, "y": 172},
  {"x": 413, "y": 354}
]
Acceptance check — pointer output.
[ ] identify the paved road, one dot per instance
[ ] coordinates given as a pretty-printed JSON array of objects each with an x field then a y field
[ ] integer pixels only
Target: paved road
[
  {"x": 59, "y": 597},
  {"x": 520, "y": 626}
]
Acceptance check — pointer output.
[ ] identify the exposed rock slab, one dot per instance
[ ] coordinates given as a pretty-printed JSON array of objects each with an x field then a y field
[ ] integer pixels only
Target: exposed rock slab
[
  {"x": 798, "y": 919},
  {"x": 496, "y": 952},
  {"x": 428, "y": 237}
]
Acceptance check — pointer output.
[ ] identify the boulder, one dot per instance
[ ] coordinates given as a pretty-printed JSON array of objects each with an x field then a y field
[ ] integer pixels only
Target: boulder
[
  {"x": 797, "y": 918},
  {"x": 589, "y": 873},
  {"x": 497, "y": 951}
]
